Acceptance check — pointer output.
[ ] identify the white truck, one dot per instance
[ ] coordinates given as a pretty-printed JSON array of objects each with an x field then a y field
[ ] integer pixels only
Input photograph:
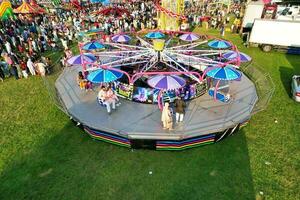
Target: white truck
[
  {"x": 273, "y": 33},
  {"x": 254, "y": 10}
]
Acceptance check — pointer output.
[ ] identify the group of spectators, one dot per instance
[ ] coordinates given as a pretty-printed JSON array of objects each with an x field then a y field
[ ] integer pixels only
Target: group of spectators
[
  {"x": 23, "y": 40},
  {"x": 211, "y": 14},
  {"x": 127, "y": 17}
]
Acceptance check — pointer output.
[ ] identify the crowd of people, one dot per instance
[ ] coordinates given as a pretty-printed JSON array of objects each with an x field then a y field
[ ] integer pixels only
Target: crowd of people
[
  {"x": 211, "y": 14},
  {"x": 23, "y": 41},
  {"x": 128, "y": 17}
]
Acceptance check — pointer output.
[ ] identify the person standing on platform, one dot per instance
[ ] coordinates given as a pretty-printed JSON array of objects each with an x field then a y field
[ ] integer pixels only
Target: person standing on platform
[
  {"x": 110, "y": 100},
  {"x": 166, "y": 117},
  {"x": 179, "y": 109}
]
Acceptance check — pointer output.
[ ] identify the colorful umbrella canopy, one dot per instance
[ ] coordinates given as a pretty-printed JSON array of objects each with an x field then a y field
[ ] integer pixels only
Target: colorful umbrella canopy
[
  {"x": 166, "y": 82},
  {"x": 6, "y": 10},
  {"x": 189, "y": 37},
  {"x": 224, "y": 73},
  {"x": 155, "y": 35},
  {"x": 25, "y": 8},
  {"x": 104, "y": 76},
  {"x": 118, "y": 12},
  {"x": 121, "y": 38},
  {"x": 219, "y": 44},
  {"x": 93, "y": 31},
  {"x": 37, "y": 7},
  {"x": 93, "y": 45},
  {"x": 80, "y": 59},
  {"x": 231, "y": 55}
]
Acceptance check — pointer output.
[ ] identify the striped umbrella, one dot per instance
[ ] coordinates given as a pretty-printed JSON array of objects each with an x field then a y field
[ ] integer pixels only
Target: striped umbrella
[
  {"x": 166, "y": 82},
  {"x": 155, "y": 35},
  {"x": 93, "y": 45},
  {"x": 104, "y": 76},
  {"x": 25, "y": 8},
  {"x": 79, "y": 59},
  {"x": 189, "y": 37},
  {"x": 219, "y": 44},
  {"x": 121, "y": 38},
  {"x": 56, "y": 2},
  {"x": 231, "y": 55},
  {"x": 224, "y": 73}
]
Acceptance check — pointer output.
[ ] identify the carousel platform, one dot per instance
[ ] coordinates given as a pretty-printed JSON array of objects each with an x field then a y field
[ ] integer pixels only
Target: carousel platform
[{"x": 205, "y": 120}]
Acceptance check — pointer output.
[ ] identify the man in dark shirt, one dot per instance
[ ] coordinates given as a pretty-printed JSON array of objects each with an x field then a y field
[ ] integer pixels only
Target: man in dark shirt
[{"x": 179, "y": 105}]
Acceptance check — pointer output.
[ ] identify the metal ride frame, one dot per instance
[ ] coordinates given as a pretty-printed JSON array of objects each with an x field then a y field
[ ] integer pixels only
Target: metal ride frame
[{"x": 176, "y": 57}]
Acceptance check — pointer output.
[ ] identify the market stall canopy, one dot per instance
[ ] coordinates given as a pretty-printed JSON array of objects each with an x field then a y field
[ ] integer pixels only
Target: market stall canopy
[
  {"x": 37, "y": 7},
  {"x": 26, "y": 8},
  {"x": 5, "y": 10},
  {"x": 113, "y": 11}
]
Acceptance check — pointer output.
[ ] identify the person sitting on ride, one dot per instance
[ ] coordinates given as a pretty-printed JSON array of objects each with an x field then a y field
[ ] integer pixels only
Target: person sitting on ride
[
  {"x": 81, "y": 80},
  {"x": 105, "y": 97},
  {"x": 102, "y": 94}
]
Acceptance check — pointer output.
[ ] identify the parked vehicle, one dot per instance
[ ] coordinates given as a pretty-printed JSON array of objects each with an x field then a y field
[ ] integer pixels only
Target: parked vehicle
[
  {"x": 296, "y": 87},
  {"x": 289, "y": 13},
  {"x": 254, "y": 10},
  {"x": 278, "y": 34}
]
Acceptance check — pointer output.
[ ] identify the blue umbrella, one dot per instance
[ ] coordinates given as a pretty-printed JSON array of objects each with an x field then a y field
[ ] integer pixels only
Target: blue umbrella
[
  {"x": 121, "y": 38},
  {"x": 104, "y": 76},
  {"x": 219, "y": 44},
  {"x": 231, "y": 55},
  {"x": 224, "y": 73},
  {"x": 155, "y": 35},
  {"x": 93, "y": 45}
]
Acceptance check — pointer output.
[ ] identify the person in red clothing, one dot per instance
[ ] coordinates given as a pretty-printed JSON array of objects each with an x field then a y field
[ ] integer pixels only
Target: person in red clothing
[
  {"x": 23, "y": 67},
  {"x": 20, "y": 48}
]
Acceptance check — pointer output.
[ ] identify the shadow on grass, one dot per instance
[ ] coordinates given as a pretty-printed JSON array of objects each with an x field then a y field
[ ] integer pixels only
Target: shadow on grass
[
  {"x": 287, "y": 73},
  {"x": 285, "y": 76},
  {"x": 73, "y": 166}
]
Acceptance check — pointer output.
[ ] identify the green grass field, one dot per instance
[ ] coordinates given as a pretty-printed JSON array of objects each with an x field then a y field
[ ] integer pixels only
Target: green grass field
[{"x": 44, "y": 156}]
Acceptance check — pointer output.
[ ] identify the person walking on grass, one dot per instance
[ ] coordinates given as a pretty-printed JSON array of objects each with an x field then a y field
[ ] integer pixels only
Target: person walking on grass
[{"x": 179, "y": 109}]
